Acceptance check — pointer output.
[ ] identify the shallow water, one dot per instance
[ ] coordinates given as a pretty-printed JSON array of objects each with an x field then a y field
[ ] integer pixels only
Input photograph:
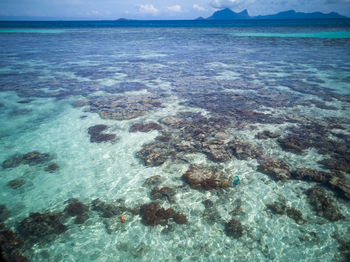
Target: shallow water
[{"x": 57, "y": 84}]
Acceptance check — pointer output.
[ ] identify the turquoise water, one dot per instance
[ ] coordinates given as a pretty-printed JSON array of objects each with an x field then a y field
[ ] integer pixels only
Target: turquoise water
[
  {"x": 331, "y": 35},
  {"x": 212, "y": 96}
]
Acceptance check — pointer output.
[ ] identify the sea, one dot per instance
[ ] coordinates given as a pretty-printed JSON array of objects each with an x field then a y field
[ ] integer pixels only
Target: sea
[{"x": 175, "y": 140}]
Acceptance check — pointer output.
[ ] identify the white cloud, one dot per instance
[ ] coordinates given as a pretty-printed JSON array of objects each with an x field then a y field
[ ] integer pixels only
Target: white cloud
[
  {"x": 174, "y": 8},
  {"x": 148, "y": 9},
  {"x": 229, "y": 3},
  {"x": 198, "y": 7}
]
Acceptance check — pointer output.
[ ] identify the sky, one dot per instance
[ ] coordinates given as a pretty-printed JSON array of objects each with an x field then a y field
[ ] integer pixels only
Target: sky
[{"x": 159, "y": 9}]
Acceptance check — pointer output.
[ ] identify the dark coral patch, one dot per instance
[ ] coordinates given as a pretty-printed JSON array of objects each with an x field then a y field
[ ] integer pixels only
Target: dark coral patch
[
  {"x": 266, "y": 134},
  {"x": 164, "y": 193},
  {"x": 323, "y": 205},
  {"x": 78, "y": 210},
  {"x": 205, "y": 178},
  {"x": 234, "y": 228},
  {"x": 108, "y": 210},
  {"x": 152, "y": 214},
  {"x": 145, "y": 127},
  {"x": 96, "y": 135},
  {"x": 10, "y": 245},
  {"x": 4, "y": 213},
  {"x": 16, "y": 183},
  {"x": 51, "y": 168},
  {"x": 31, "y": 158},
  {"x": 38, "y": 226},
  {"x": 276, "y": 169}
]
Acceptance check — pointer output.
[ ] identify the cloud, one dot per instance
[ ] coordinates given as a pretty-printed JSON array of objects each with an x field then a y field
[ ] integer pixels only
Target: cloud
[
  {"x": 147, "y": 9},
  {"x": 218, "y": 4},
  {"x": 198, "y": 7},
  {"x": 174, "y": 8}
]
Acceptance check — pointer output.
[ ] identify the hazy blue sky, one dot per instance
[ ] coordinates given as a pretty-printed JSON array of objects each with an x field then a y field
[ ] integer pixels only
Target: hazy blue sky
[{"x": 159, "y": 9}]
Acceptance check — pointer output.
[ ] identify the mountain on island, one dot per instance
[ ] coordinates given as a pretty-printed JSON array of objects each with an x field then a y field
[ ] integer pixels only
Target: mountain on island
[{"x": 228, "y": 14}]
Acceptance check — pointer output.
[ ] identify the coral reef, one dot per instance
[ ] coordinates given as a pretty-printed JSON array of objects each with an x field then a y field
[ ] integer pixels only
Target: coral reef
[
  {"x": 266, "y": 134},
  {"x": 96, "y": 135},
  {"x": 152, "y": 214},
  {"x": 10, "y": 245},
  {"x": 78, "y": 210},
  {"x": 335, "y": 181},
  {"x": 164, "y": 193},
  {"x": 108, "y": 210},
  {"x": 145, "y": 127},
  {"x": 205, "y": 178},
  {"x": 276, "y": 169},
  {"x": 37, "y": 226},
  {"x": 4, "y": 213},
  {"x": 51, "y": 168},
  {"x": 234, "y": 228},
  {"x": 16, "y": 183},
  {"x": 323, "y": 205},
  {"x": 124, "y": 107},
  {"x": 31, "y": 158}
]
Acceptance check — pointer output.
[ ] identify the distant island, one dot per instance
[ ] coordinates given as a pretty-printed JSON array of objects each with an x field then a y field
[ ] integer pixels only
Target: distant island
[{"x": 228, "y": 14}]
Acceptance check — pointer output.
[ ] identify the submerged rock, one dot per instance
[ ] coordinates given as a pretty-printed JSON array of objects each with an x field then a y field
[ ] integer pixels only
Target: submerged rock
[
  {"x": 276, "y": 169},
  {"x": 4, "y": 213},
  {"x": 323, "y": 204},
  {"x": 337, "y": 163},
  {"x": 108, "y": 210},
  {"x": 96, "y": 129},
  {"x": 13, "y": 161},
  {"x": 296, "y": 215},
  {"x": 244, "y": 151},
  {"x": 217, "y": 151},
  {"x": 96, "y": 135},
  {"x": 35, "y": 158},
  {"x": 124, "y": 107},
  {"x": 205, "y": 178},
  {"x": 153, "y": 181},
  {"x": 164, "y": 193},
  {"x": 10, "y": 245},
  {"x": 335, "y": 181},
  {"x": 234, "y": 228},
  {"x": 31, "y": 158},
  {"x": 145, "y": 127},
  {"x": 78, "y": 210},
  {"x": 38, "y": 226},
  {"x": 153, "y": 155},
  {"x": 277, "y": 208},
  {"x": 152, "y": 214},
  {"x": 294, "y": 144},
  {"x": 266, "y": 134},
  {"x": 51, "y": 168},
  {"x": 16, "y": 183},
  {"x": 180, "y": 218}
]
